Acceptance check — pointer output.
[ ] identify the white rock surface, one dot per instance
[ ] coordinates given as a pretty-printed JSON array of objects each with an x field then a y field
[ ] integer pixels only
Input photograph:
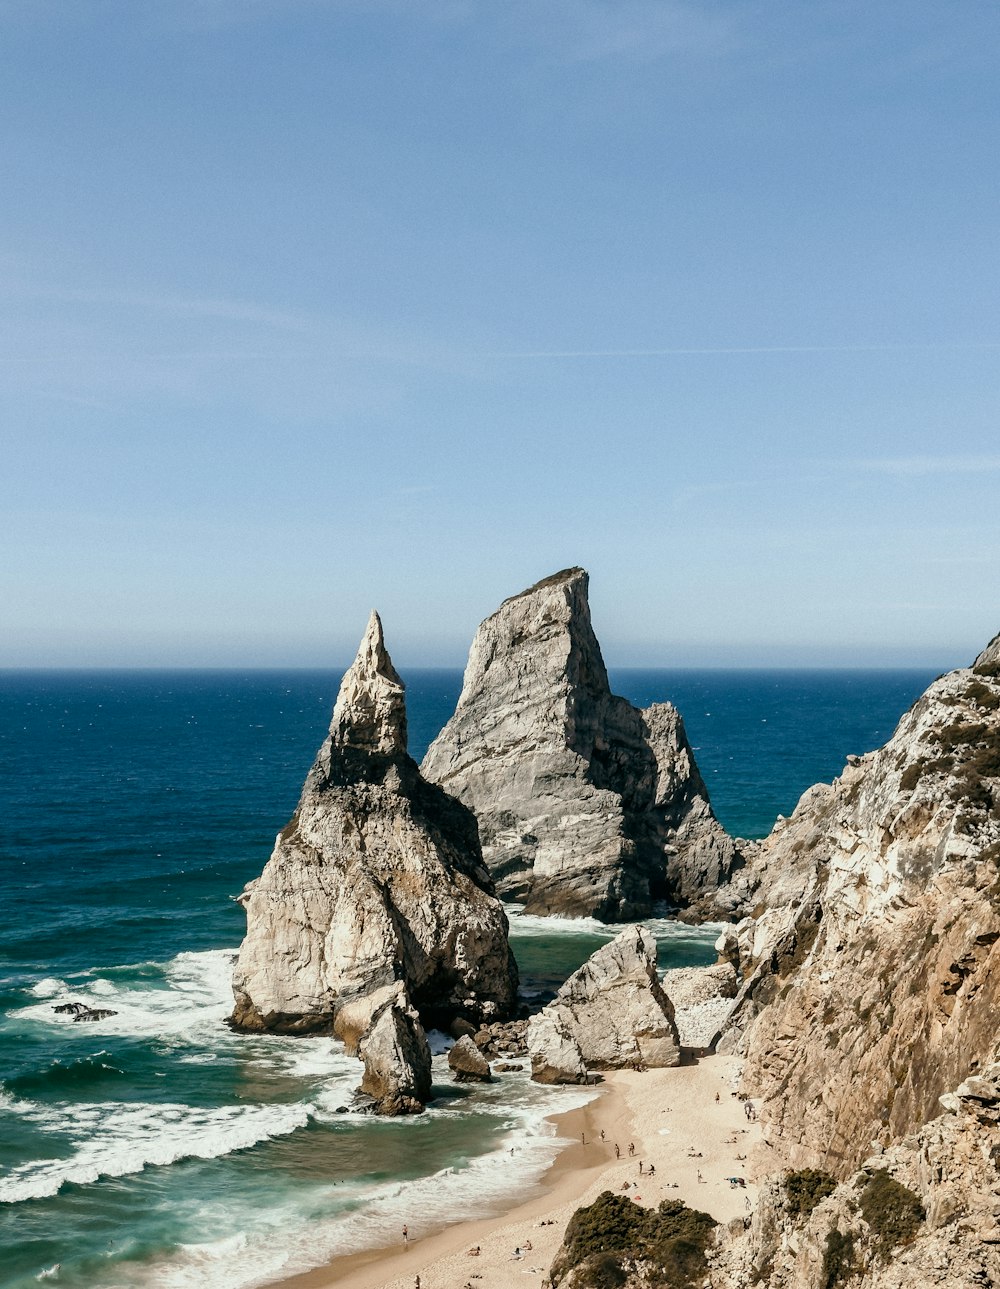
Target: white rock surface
[
  {"x": 377, "y": 879},
  {"x": 610, "y": 1014},
  {"x": 586, "y": 805},
  {"x": 397, "y": 1061}
]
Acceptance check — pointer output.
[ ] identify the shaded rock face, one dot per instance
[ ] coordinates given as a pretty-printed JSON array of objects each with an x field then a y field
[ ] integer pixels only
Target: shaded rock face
[
  {"x": 610, "y": 1014},
  {"x": 586, "y": 805},
  {"x": 871, "y": 979},
  {"x": 397, "y": 1061},
  {"x": 872, "y": 1227},
  {"x": 378, "y": 879}
]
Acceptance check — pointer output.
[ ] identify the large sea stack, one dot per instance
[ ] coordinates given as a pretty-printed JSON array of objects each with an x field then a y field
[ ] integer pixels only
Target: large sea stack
[
  {"x": 586, "y": 805},
  {"x": 377, "y": 880}
]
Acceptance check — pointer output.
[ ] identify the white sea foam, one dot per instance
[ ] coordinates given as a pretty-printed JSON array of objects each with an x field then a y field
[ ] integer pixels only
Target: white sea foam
[
  {"x": 663, "y": 928},
  {"x": 113, "y": 1139},
  {"x": 46, "y": 988},
  {"x": 198, "y": 996},
  {"x": 286, "y": 1241}
]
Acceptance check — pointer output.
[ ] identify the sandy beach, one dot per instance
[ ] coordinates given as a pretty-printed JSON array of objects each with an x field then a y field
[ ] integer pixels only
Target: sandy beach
[{"x": 665, "y": 1115}]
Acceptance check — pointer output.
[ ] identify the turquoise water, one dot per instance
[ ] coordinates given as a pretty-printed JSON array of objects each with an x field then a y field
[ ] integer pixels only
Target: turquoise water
[{"x": 157, "y": 1148}]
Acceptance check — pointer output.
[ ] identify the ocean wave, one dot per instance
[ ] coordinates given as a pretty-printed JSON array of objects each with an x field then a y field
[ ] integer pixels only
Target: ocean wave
[
  {"x": 195, "y": 992},
  {"x": 288, "y": 1240},
  {"x": 524, "y": 925},
  {"x": 66, "y": 1077},
  {"x": 46, "y": 988},
  {"x": 121, "y": 1138}
]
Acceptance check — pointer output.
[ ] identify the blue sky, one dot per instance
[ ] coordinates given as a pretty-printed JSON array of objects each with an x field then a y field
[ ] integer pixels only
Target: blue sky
[{"x": 312, "y": 306}]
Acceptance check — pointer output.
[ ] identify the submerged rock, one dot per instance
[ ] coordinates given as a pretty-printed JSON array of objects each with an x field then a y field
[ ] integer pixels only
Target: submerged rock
[
  {"x": 377, "y": 880},
  {"x": 397, "y": 1061},
  {"x": 610, "y": 1014},
  {"x": 586, "y": 805}
]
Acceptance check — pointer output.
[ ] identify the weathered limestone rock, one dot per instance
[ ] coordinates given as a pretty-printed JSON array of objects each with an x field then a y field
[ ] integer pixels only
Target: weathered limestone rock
[
  {"x": 949, "y": 1168},
  {"x": 703, "y": 998},
  {"x": 585, "y": 804},
  {"x": 468, "y": 1063},
  {"x": 555, "y": 1053},
  {"x": 609, "y": 1014},
  {"x": 871, "y": 979},
  {"x": 397, "y": 1061},
  {"x": 377, "y": 880}
]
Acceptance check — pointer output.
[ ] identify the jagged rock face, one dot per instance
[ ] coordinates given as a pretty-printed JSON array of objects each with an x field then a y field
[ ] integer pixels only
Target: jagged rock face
[
  {"x": 873, "y": 977},
  {"x": 610, "y": 1014},
  {"x": 949, "y": 1166},
  {"x": 585, "y": 804},
  {"x": 377, "y": 879},
  {"x": 397, "y": 1061},
  {"x": 467, "y": 1062}
]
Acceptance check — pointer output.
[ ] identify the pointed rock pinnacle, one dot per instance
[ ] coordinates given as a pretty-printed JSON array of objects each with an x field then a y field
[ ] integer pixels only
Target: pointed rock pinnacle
[{"x": 370, "y": 715}]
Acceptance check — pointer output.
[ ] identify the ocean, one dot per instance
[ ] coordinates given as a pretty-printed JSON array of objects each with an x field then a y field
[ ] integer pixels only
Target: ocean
[{"x": 156, "y": 1148}]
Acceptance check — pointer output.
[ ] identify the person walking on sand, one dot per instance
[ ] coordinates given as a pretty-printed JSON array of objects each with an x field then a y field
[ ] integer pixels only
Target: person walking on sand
[
  {"x": 640, "y": 1167},
  {"x": 618, "y": 1151},
  {"x": 406, "y": 1235},
  {"x": 631, "y": 1148}
]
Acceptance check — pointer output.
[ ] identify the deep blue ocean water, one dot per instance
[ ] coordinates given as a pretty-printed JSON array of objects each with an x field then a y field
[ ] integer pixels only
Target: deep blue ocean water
[{"x": 156, "y": 1148}]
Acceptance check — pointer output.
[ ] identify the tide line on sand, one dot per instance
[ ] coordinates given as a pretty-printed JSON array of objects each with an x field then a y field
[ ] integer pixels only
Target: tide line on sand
[{"x": 686, "y": 1122}]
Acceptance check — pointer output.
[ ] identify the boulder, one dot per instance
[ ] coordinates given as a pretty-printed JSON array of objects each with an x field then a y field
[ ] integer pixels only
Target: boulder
[
  {"x": 467, "y": 1062},
  {"x": 610, "y": 1014},
  {"x": 397, "y": 1061},
  {"x": 586, "y": 805}
]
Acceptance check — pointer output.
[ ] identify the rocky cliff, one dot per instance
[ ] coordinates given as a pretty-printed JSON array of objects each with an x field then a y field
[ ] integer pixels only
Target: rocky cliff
[
  {"x": 586, "y": 805},
  {"x": 377, "y": 879},
  {"x": 926, "y": 1212},
  {"x": 872, "y": 967}
]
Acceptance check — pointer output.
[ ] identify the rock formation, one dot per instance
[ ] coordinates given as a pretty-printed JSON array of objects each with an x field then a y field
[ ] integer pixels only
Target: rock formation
[
  {"x": 609, "y": 1014},
  {"x": 467, "y": 1063},
  {"x": 703, "y": 999},
  {"x": 924, "y": 1212},
  {"x": 872, "y": 971},
  {"x": 397, "y": 1061},
  {"x": 377, "y": 879},
  {"x": 586, "y": 805}
]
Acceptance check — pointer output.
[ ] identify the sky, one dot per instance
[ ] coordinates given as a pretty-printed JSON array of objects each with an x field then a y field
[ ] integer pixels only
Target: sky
[{"x": 310, "y": 306}]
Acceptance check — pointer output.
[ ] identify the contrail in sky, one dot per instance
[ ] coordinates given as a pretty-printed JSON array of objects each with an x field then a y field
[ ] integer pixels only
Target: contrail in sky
[{"x": 744, "y": 349}]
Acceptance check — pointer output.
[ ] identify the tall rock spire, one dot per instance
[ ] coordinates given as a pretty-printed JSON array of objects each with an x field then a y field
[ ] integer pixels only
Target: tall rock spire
[
  {"x": 370, "y": 714},
  {"x": 376, "y": 885},
  {"x": 585, "y": 804}
]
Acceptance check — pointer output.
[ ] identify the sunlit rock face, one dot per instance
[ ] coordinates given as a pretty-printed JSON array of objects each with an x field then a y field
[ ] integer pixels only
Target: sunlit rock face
[
  {"x": 871, "y": 971},
  {"x": 377, "y": 879},
  {"x": 586, "y": 805}
]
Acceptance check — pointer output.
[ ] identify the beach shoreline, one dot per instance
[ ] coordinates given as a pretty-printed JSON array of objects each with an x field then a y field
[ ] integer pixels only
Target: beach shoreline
[{"x": 681, "y": 1120}]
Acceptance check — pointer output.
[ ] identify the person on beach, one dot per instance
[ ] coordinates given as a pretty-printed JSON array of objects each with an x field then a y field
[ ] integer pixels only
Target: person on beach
[
  {"x": 631, "y": 1148},
  {"x": 406, "y": 1235},
  {"x": 652, "y": 1170},
  {"x": 602, "y": 1134},
  {"x": 640, "y": 1167},
  {"x": 618, "y": 1151}
]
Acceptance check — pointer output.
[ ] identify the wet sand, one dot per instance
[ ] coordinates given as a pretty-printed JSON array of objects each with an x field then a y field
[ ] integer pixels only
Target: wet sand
[{"x": 664, "y": 1114}]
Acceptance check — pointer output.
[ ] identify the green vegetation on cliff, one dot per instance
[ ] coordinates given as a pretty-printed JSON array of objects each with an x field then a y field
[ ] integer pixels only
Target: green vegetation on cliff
[{"x": 612, "y": 1237}]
